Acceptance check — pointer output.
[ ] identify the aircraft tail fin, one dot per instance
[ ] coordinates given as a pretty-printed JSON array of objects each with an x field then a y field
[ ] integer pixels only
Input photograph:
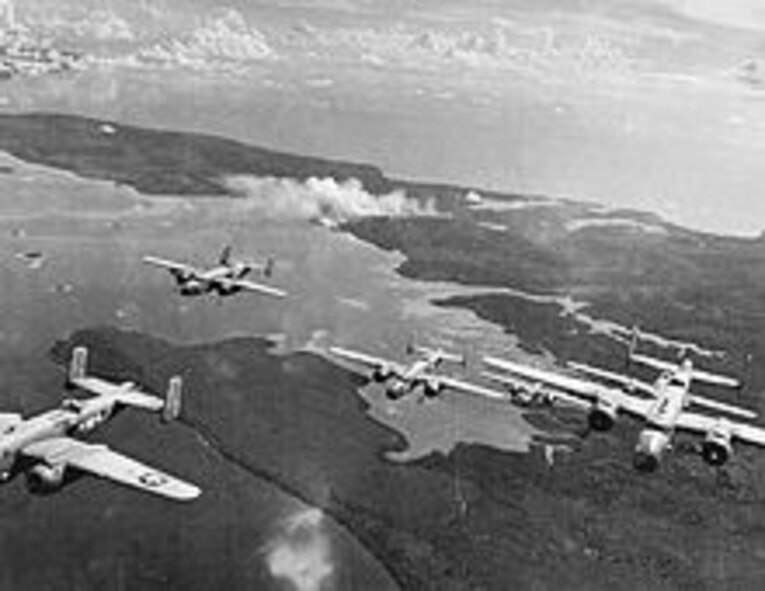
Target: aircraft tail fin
[
  {"x": 634, "y": 341},
  {"x": 78, "y": 364},
  {"x": 268, "y": 267},
  {"x": 173, "y": 398},
  {"x": 225, "y": 255},
  {"x": 439, "y": 353}
]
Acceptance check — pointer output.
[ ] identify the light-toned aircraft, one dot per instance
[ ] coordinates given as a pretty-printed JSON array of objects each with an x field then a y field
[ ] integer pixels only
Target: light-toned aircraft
[
  {"x": 45, "y": 449},
  {"x": 533, "y": 394},
  {"x": 401, "y": 380},
  {"x": 226, "y": 278},
  {"x": 663, "y": 405}
]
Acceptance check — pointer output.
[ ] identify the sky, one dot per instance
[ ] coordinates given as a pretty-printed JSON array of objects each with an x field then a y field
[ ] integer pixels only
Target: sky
[{"x": 653, "y": 104}]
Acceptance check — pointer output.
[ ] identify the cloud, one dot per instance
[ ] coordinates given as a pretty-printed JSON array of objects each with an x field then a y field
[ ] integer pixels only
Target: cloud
[
  {"x": 546, "y": 52},
  {"x": 301, "y": 552},
  {"x": 746, "y": 14},
  {"x": 101, "y": 25},
  {"x": 321, "y": 198},
  {"x": 224, "y": 37}
]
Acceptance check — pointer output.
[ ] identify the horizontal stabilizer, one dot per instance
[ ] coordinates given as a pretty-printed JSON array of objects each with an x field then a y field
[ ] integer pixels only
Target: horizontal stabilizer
[{"x": 437, "y": 353}]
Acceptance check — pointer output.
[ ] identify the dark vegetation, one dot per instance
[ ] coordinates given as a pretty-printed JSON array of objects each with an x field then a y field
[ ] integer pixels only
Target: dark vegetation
[{"x": 479, "y": 518}]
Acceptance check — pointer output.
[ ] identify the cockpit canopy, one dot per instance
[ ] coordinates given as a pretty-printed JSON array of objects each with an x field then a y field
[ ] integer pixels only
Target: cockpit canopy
[{"x": 676, "y": 382}]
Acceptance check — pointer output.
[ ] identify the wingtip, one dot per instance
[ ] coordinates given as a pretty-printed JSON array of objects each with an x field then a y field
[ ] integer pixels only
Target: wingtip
[
  {"x": 192, "y": 494},
  {"x": 185, "y": 492}
]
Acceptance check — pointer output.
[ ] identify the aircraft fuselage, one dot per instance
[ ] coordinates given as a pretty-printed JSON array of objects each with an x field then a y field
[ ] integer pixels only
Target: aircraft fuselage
[
  {"x": 672, "y": 391},
  {"x": 216, "y": 279},
  {"x": 406, "y": 382},
  {"x": 73, "y": 417}
]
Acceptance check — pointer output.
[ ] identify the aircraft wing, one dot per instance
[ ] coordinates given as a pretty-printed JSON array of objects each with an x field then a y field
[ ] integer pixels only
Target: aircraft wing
[
  {"x": 9, "y": 420},
  {"x": 704, "y": 424},
  {"x": 169, "y": 265},
  {"x": 257, "y": 287},
  {"x": 626, "y": 381},
  {"x": 715, "y": 379},
  {"x": 101, "y": 461},
  {"x": 749, "y": 433},
  {"x": 722, "y": 407},
  {"x": 657, "y": 364},
  {"x": 575, "y": 386},
  {"x": 368, "y": 360},
  {"x": 469, "y": 388},
  {"x": 127, "y": 394}
]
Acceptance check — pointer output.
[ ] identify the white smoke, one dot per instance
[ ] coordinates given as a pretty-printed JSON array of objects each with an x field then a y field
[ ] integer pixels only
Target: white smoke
[
  {"x": 301, "y": 552},
  {"x": 322, "y": 198}
]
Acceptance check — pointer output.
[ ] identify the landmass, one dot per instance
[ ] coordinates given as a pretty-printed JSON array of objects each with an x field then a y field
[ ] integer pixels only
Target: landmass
[
  {"x": 630, "y": 267},
  {"x": 477, "y": 518}
]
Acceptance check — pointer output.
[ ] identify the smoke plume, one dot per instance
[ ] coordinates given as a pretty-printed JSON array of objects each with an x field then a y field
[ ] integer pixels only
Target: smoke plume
[
  {"x": 301, "y": 553},
  {"x": 318, "y": 198}
]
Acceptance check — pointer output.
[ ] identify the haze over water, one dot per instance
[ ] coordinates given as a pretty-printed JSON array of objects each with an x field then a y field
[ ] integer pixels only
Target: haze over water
[{"x": 627, "y": 104}]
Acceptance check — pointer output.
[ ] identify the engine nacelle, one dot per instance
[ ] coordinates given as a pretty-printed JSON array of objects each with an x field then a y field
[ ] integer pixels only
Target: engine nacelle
[
  {"x": 716, "y": 449},
  {"x": 381, "y": 374},
  {"x": 397, "y": 390},
  {"x": 431, "y": 387},
  {"x": 192, "y": 288},
  {"x": 225, "y": 288},
  {"x": 602, "y": 416},
  {"x": 652, "y": 444},
  {"x": 240, "y": 270},
  {"x": 43, "y": 479}
]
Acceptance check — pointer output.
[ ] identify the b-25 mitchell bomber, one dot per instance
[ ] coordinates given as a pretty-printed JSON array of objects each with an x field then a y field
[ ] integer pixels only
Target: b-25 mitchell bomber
[
  {"x": 663, "y": 405},
  {"x": 45, "y": 450},
  {"x": 401, "y": 380},
  {"x": 226, "y": 278},
  {"x": 533, "y": 394}
]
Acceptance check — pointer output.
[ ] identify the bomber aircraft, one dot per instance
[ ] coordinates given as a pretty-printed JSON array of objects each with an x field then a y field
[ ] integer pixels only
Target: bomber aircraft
[
  {"x": 401, "y": 380},
  {"x": 226, "y": 278},
  {"x": 663, "y": 405},
  {"x": 45, "y": 449},
  {"x": 533, "y": 394}
]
